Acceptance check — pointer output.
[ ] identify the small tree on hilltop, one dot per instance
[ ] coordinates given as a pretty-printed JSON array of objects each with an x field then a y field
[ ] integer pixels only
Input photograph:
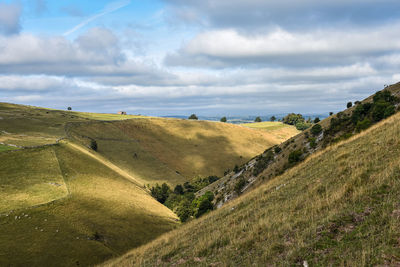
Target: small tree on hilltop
[
  {"x": 349, "y": 104},
  {"x": 69, "y": 108},
  {"x": 223, "y": 119},
  {"x": 258, "y": 119},
  {"x": 273, "y": 118},
  {"x": 193, "y": 117},
  {"x": 316, "y": 120}
]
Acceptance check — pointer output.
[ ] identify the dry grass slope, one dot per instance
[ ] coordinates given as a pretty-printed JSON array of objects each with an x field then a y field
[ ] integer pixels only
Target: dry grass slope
[
  {"x": 174, "y": 151},
  {"x": 338, "y": 208},
  {"x": 279, "y": 130}
]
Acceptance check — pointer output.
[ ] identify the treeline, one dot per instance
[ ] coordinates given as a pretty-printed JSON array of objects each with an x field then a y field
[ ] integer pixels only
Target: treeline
[
  {"x": 299, "y": 121},
  {"x": 182, "y": 199}
]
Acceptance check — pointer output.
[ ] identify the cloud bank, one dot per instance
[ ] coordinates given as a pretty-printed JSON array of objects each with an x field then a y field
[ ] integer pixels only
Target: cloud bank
[{"x": 233, "y": 57}]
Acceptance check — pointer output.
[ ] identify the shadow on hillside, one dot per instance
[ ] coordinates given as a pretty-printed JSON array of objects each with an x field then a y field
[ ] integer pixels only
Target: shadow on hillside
[{"x": 176, "y": 145}]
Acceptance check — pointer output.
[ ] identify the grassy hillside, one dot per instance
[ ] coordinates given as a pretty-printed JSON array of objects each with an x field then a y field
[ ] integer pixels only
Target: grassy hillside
[
  {"x": 340, "y": 207},
  {"x": 92, "y": 211},
  {"x": 174, "y": 150},
  {"x": 279, "y": 130},
  {"x": 153, "y": 149},
  {"x": 65, "y": 204}
]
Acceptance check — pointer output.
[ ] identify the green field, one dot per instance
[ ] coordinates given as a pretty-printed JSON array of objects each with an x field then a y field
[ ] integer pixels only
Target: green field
[
  {"x": 338, "y": 208},
  {"x": 29, "y": 178}
]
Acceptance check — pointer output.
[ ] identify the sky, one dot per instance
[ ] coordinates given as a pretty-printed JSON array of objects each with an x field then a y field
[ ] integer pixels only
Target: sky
[{"x": 209, "y": 57}]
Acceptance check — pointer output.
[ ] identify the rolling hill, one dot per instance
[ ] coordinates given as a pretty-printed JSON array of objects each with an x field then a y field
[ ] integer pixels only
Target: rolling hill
[
  {"x": 339, "y": 207},
  {"x": 172, "y": 150},
  {"x": 65, "y": 204}
]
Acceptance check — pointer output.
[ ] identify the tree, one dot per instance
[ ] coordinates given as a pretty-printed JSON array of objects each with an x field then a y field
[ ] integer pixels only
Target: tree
[
  {"x": 160, "y": 193},
  {"x": 223, "y": 119},
  {"x": 301, "y": 125},
  {"x": 313, "y": 142},
  {"x": 273, "y": 118},
  {"x": 362, "y": 125},
  {"x": 295, "y": 156},
  {"x": 178, "y": 189},
  {"x": 293, "y": 119},
  {"x": 203, "y": 204},
  {"x": 316, "y": 129},
  {"x": 330, "y": 113},
  {"x": 236, "y": 169},
  {"x": 316, "y": 120},
  {"x": 69, "y": 108},
  {"x": 277, "y": 149},
  {"x": 349, "y": 104},
  {"x": 239, "y": 185},
  {"x": 193, "y": 117},
  {"x": 258, "y": 119},
  {"x": 184, "y": 210},
  {"x": 93, "y": 145}
]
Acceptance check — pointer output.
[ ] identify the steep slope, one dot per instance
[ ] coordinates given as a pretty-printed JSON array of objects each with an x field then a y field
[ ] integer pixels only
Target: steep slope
[
  {"x": 172, "y": 150},
  {"x": 276, "y": 160},
  {"x": 101, "y": 214},
  {"x": 339, "y": 207}
]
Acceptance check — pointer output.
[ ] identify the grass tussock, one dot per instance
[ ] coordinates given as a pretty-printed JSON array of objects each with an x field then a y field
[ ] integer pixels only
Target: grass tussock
[{"x": 340, "y": 207}]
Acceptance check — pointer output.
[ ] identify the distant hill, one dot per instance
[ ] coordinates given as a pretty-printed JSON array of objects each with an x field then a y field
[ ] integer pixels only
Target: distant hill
[
  {"x": 248, "y": 119},
  {"x": 337, "y": 207}
]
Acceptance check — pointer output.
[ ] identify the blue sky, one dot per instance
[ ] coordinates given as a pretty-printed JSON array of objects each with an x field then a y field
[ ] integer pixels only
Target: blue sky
[{"x": 210, "y": 57}]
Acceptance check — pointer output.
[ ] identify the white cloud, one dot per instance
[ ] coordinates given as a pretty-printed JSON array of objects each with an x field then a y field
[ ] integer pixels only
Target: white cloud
[
  {"x": 284, "y": 47},
  {"x": 31, "y": 83}
]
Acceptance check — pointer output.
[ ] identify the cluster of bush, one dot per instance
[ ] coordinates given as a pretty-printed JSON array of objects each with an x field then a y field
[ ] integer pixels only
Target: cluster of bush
[
  {"x": 182, "y": 199},
  {"x": 363, "y": 115}
]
